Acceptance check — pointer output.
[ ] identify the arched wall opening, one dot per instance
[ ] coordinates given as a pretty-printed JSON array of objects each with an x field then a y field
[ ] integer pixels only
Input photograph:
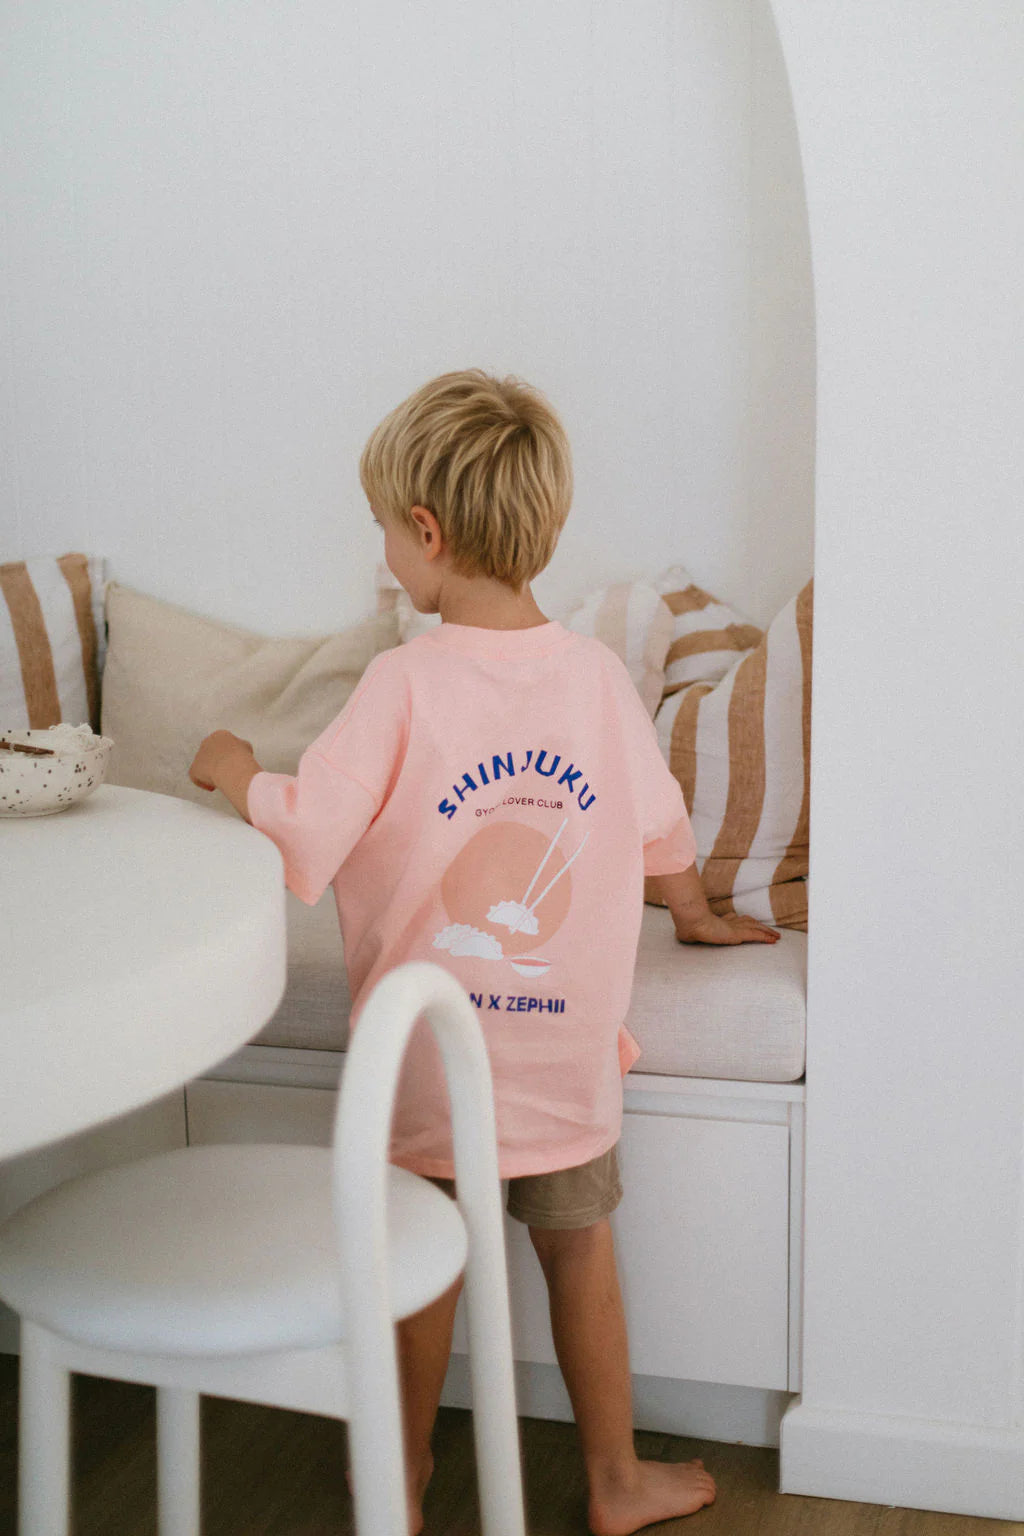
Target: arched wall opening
[{"x": 911, "y": 120}]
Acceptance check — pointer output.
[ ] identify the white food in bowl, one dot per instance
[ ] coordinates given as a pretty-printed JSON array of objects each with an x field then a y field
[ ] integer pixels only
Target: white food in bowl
[{"x": 43, "y": 785}]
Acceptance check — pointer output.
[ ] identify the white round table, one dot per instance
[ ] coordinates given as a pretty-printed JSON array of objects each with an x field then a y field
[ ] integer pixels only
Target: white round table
[{"x": 142, "y": 940}]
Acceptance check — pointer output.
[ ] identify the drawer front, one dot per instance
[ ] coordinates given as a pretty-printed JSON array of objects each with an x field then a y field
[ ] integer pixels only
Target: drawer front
[
  {"x": 702, "y": 1242},
  {"x": 703, "y": 1238}
]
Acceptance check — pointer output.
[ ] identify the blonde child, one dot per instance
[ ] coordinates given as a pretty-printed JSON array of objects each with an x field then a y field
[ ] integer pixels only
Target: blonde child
[{"x": 490, "y": 798}]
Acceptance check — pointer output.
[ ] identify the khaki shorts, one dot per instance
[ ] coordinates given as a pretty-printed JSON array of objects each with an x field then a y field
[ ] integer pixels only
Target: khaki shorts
[{"x": 564, "y": 1199}]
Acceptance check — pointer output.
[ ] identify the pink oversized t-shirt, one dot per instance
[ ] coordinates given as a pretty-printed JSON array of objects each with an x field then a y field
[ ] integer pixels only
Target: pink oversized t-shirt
[{"x": 490, "y": 800}]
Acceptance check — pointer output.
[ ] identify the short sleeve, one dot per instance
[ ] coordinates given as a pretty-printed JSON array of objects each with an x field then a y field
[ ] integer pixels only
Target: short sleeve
[
  {"x": 672, "y": 854},
  {"x": 668, "y": 840},
  {"x": 669, "y": 843},
  {"x": 316, "y": 816}
]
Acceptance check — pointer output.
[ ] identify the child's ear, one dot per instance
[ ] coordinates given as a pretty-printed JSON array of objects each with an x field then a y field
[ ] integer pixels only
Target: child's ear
[{"x": 429, "y": 530}]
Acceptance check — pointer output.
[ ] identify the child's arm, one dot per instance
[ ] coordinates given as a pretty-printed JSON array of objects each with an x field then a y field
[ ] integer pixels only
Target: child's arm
[
  {"x": 226, "y": 762},
  {"x": 316, "y": 815},
  {"x": 696, "y": 923}
]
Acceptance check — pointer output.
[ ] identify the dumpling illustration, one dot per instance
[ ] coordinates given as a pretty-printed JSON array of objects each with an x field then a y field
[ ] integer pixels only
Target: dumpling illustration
[
  {"x": 514, "y": 916},
  {"x": 464, "y": 939}
]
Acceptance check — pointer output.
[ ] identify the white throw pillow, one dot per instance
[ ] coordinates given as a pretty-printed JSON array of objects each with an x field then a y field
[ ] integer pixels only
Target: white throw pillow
[{"x": 635, "y": 622}]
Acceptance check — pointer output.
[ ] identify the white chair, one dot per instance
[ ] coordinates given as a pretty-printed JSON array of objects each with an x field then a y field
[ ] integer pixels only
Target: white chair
[{"x": 275, "y": 1274}]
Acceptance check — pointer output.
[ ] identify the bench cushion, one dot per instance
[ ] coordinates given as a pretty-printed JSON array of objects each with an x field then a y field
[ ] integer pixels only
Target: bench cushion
[
  {"x": 725, "y": 1011},
  {"x": 734, "y": 1011}
]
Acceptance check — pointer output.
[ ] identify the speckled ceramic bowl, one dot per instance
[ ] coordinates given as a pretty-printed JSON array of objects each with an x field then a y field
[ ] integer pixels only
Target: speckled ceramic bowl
[{"x": 42, "y": 786}]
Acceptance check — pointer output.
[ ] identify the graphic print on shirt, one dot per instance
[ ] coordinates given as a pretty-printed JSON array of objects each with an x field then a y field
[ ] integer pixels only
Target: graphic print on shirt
[{"x": 507, "y": 892}]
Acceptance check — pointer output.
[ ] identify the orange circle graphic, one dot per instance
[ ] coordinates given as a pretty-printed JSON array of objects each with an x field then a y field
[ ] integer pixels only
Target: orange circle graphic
[{"x": 497, "y": 866}]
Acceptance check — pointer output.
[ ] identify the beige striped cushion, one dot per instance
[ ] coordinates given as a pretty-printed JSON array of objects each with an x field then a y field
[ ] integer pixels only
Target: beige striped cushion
[
  {"x": 740, "y": 748},
  {"x": 51, "y": 641},
  {"x": 634, "y": 621},
  {"x": 707, "y": 635}
]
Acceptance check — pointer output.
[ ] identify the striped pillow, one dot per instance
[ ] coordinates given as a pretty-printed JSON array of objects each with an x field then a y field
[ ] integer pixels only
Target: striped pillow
[
  {"x": 630, "y": 617},
  {"x": 707, "y": 635},
  {"x": 740, "y": 748},
  {"x": 636, "y": 623},
  {"x": 51, "y": 641}
]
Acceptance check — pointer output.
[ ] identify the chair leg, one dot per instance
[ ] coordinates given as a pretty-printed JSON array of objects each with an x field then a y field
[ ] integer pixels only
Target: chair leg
[
  {"x": 375, "y": 1435},
  {"x": 44, "y": 1453},
  {"x": 495, "y": 1425},
  {"x": 177, "y": 1461}
]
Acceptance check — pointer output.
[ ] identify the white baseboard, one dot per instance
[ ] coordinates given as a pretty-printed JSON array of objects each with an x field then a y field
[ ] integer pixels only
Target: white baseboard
[
  {"x": 698, "y": 1410},
  {"x": 959, "y": 1469}
]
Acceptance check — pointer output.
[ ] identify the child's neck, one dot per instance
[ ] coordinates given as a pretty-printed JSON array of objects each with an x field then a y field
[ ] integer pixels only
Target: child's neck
[{"x": 488, "y": 605}]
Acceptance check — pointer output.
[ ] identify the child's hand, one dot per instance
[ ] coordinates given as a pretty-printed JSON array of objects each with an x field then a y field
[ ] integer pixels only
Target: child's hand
[
  {"x": 733, "y": 928},
  {"x": 214, "y": 751}
]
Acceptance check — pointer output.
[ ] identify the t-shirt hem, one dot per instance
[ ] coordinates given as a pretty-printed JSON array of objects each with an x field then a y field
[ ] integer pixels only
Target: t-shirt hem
[{"x": 517, "y": 1168}]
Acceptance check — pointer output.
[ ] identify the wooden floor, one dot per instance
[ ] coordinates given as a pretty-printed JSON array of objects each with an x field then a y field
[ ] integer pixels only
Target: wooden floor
[{"x": 270, "y": 1473}]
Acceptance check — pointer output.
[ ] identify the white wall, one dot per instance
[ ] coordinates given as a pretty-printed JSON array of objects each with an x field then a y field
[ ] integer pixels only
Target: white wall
[
  {"x": 911, "y": 119},
  {"x": 237, "y": 235}
]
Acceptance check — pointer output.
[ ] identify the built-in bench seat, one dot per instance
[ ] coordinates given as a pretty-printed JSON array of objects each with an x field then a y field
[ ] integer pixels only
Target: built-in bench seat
[{"x": 709, "y": 1229}]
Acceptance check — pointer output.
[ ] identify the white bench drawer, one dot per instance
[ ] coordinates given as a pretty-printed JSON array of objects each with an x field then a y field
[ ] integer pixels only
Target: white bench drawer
[{"x": 702, "y": 1240}]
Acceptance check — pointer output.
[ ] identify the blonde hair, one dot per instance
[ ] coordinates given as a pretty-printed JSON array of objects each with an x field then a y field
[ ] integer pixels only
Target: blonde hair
[{"x": 489, "y": 458}]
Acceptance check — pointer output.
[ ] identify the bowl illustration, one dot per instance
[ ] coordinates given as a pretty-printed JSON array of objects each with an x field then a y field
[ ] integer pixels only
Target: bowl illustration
[
  {"x": 46, "y": 771},
  {"x": 530, "y": 965}
]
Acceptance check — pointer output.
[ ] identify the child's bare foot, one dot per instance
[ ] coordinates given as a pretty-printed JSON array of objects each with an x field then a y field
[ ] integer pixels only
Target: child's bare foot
[
  {"x": 417, "y": 1488},
  {"x": 625, "y": 1500}
]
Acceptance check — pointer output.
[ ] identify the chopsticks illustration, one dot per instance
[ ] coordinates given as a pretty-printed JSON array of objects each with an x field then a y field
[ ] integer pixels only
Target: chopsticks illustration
[{"x": 529, "y": 911}]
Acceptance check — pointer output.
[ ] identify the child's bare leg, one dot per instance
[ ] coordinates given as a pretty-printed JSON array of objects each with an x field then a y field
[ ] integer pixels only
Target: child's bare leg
[
  {"x": 424, "y": 1348},
  {"x": 589, "y": 1328}
]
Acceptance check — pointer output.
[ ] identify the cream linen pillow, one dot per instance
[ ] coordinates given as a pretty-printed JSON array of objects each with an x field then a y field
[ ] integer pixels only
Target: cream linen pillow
[
  {"x": 740, "y": 748},
  {"x": 51, "y": 641},
  {"x": 172, "y": 677}
]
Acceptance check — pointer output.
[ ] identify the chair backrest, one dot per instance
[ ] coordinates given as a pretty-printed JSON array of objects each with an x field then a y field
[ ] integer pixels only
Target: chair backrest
[
  {"x": 369, "y": 1081},
  {"x": 361, "y": 1143}
]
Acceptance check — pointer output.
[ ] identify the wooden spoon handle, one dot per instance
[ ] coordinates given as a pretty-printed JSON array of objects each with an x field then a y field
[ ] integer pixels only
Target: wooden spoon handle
[{"x": 17, "y": 746}]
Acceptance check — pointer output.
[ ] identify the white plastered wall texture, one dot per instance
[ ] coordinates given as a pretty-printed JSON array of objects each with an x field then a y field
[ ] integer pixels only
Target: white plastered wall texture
[
  {"x": 237, "y": 235},
  {"x": 911, "y": 123}
]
